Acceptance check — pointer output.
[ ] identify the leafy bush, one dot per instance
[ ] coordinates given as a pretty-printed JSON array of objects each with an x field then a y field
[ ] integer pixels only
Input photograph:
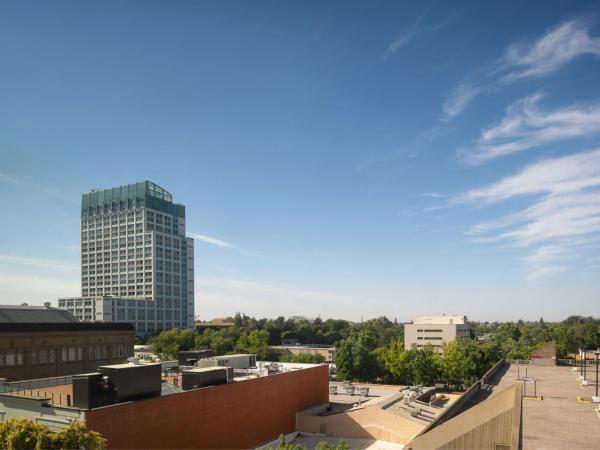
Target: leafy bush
[{"x": 24, "y": 434}]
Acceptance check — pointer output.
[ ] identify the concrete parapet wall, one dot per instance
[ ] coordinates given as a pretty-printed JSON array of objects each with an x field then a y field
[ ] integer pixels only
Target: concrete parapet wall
[{"x": 484, "y": 426}]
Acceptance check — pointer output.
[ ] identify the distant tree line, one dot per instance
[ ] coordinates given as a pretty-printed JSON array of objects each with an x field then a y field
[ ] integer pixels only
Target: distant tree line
[
  {"x": 373, "y": 350},
  {"x": 519, "y": 339}
]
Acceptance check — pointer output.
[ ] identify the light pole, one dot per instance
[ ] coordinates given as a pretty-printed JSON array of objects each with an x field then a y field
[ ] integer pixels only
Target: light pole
[
  {"x": 597, "y": 353},
  {"x": 584, "y": 365}
]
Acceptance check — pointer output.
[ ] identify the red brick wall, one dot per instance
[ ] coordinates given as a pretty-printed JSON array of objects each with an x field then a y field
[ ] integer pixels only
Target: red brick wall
[
  {"x": 237, "y": 415},
  {"x": 26, "y": 342}
]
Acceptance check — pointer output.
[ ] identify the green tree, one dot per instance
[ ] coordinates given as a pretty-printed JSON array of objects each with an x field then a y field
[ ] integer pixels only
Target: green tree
[
  {"x": 18, "y": 434},
  {"x": 77, "y": 436},
  {"x": 169, "y": 342},
  {"x": 355, "y": 357},
  {"x": 395, "y": 362},
  {"x": 424, "y": 365},
  {"x": 468, "y": 360},
  {"x": 282, "y": 445},
  {"x": 564, "y": 335},
  {"x": 324, "y": 445},
  {"x": 253, "y": 340}
]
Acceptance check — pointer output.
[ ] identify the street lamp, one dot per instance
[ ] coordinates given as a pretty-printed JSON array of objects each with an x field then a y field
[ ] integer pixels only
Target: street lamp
[{"x": 597, "y": 353}]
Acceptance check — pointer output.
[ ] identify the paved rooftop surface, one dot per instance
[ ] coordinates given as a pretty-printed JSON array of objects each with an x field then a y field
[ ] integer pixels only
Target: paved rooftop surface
[
  {"x": 58, "y": 395},
  {"x": 560, "y": 420}
]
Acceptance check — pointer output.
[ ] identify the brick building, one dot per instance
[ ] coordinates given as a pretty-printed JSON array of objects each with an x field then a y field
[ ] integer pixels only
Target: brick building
[
  {"x": 249, "y": 410},
  {"x": 41, "y": 350}
]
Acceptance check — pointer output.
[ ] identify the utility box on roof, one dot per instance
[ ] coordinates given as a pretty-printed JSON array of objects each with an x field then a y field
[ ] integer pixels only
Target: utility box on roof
[
  {"x": 209, "y": 376},
  {"x": 242, "y": 361},
  {"x": 190, "y": 357},
  {"x": 128, "y": 382}
]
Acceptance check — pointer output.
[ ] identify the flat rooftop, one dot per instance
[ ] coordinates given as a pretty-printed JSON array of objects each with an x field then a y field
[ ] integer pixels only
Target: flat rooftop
[
  {"x": 565, "y": 418},
  {"x": 382, "y": 411}
]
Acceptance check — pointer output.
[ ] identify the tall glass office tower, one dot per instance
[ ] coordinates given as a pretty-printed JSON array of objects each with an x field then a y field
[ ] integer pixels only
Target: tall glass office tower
[{"x": 137, "y": 265}]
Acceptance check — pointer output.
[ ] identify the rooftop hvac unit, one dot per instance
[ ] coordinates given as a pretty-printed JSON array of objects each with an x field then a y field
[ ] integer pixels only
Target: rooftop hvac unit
[
  {"x": 133, "y": 381},
  {"x": 406, "y": 400},
  {"x": 209, "y": 376}
]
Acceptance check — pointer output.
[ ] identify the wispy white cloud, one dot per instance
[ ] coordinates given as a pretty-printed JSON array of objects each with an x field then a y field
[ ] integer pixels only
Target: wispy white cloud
[
  {"x": 460, "y": 98},
  {"x": 8, "y": 179},
  {"x": 546, "y": 271},
  {"x": 542, "y": 56},
  {"x": 433, "y": 194},
  {"x": 223, "y": 244},
  {"x": 36, "y": 262},
  {"x": 550, "y": 52},
  {"x": 377, "y": 159},
  {"x": 405, "y": 37},
  {"x": 400, "y": 41},
  {"x": 415, "y": 29},
  {"x": 562, "y": 220},
  {"x": 526, "y": 126}
]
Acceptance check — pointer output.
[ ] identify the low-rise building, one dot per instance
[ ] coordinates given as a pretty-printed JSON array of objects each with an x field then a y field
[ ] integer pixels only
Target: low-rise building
[
  {"x": 25, "y": 313},
  {"x": 435, "y": 330},
  {"x": 132, "y": 408},
  {"x": 326, "y": 351},
  {"x": 50, "y": 349}
]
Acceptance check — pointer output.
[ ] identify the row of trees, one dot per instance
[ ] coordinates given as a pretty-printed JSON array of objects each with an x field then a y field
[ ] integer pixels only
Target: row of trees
[
  {"x": 374, "y": 350},
  {"x": 358, "y": 357},
  {"x": 225, "y": 341},
  {"x": 257, "y": 335},
  {"x": 519, "y": 339},
  {"x": 21, "y": 434}
]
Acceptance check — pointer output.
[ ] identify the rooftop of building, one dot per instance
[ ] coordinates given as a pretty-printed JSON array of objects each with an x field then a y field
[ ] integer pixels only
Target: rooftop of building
[
  {"x": 355, "y": 409},
  {"x": 142, "y": 194},
  {"x": 20, "y": 314},
  {"x": 440, "y": 320},
  {"x": 565, "y": 417},
  {"x": 53, "y": 327},
  {"x": 58, "y": 391},
  {"x": 305, "y": 346}
]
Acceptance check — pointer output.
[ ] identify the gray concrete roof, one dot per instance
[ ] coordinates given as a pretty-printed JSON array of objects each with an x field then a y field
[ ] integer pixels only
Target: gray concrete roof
[
  {"x": 34, "y": 314},
  {"x": 561, "y": 420}
]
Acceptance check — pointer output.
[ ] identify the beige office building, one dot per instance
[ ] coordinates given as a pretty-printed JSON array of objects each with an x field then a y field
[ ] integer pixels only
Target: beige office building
[{"x": 435, "y": 330}]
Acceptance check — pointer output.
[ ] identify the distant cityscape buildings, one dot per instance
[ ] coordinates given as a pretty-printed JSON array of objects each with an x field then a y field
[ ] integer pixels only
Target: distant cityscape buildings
[
  {"x": 137, "y": 265},
  {"x": 435, "y": 330}
]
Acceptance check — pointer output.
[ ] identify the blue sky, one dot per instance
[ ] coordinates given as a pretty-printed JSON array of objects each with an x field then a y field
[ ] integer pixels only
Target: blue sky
[{"x": 337, "y": 159}]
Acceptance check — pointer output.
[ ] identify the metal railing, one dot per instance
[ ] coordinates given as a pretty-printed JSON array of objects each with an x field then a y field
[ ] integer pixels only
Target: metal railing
[
  {"x": 35, "y": 384},
  {"x": 519, "y": 362}
]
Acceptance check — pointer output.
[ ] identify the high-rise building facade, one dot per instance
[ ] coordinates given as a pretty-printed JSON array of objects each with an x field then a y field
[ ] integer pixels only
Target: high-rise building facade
[{"x": 137, "y": 265}]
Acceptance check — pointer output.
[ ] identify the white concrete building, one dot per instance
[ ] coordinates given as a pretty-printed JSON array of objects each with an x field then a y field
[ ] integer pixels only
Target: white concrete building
[
  {"x": 137, "y": 265},
  {"x": 435, "y": 330}
]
